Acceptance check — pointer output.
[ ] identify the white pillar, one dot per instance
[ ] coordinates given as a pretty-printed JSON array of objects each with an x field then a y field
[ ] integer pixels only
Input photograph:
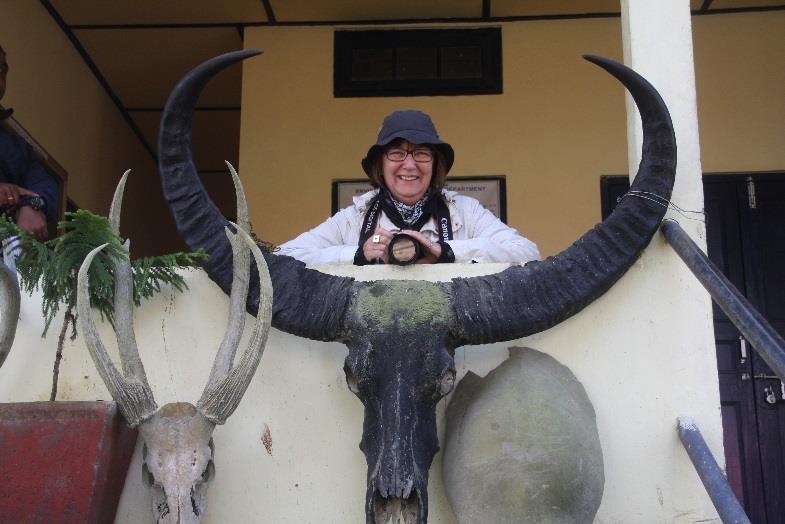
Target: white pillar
[{"x": 657, "y": 39}]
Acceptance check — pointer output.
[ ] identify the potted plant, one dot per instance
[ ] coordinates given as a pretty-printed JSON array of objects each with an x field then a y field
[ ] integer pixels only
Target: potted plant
[{"x": 67, "y": 461}]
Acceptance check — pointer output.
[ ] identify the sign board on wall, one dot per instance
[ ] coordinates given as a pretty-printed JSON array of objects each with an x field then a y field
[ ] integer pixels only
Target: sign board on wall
[{"x": 491, "y": 191}]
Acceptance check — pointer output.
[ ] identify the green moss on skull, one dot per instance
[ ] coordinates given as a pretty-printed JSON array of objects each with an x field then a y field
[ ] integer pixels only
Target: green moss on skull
[{"x": 406, "y": 303}]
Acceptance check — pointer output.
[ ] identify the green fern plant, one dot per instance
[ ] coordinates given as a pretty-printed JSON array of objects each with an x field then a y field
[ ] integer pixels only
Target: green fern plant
[{"x": 52, "y": 267}]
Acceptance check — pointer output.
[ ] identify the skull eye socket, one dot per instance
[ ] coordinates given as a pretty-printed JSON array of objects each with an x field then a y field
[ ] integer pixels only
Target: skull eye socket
[
  {"x": 447, "y": 382},
  {"x": 208, "y": 473},
  {"x": 351, "y": 380},
  {"x": 147, "y": 477}
]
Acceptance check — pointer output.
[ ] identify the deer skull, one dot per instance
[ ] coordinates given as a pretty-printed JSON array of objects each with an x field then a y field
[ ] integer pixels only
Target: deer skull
[{"x": 178, "y": 447}]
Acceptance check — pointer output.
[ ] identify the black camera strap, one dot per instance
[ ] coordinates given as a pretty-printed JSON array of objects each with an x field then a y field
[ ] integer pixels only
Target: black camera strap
[
  {"x": 441, "y": 216},
  {"x": 369, "y": 221},
  {"x": 443, "y": 222}
]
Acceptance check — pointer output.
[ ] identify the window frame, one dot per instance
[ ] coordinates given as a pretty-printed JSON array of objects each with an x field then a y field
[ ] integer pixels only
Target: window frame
[{"x": 489, "y": 40}]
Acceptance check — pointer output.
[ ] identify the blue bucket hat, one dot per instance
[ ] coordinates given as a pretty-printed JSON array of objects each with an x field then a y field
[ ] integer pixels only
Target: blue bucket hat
[{"x": 413, "y": 126}]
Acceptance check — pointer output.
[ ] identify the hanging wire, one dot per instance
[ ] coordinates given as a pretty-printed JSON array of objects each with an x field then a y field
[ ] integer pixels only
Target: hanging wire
[{"x": 664, "y": 202}]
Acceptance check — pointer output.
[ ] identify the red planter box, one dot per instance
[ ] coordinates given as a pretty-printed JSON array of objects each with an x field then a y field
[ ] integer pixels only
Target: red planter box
[{"x": 62, "y": 462}]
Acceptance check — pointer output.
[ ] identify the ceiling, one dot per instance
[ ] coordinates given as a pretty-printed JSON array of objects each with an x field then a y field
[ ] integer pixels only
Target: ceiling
[{"x": 138, "y": 49}]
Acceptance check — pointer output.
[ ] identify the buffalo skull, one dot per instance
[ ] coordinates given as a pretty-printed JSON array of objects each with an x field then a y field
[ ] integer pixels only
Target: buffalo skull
[
  {"x": 402, "y": 335},
  {"x": 178, "y": 445}
]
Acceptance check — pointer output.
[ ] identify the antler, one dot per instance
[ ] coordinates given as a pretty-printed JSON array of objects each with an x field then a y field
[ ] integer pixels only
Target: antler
[
  {"x": 132, "y": 392},
  {"x": 521, "y": 301},
  {"x": 10, "y": 297},
  {"x": 225, "y": 388},
  {"x": 123, "y": 296},
  {"x": 314, "y": 304}
]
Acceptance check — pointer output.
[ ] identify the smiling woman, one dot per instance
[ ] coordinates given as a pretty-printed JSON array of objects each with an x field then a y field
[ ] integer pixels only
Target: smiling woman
[{"x": 409, "y": 217}]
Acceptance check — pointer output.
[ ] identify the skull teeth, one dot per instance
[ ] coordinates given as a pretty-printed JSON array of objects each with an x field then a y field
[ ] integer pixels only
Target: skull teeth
[{"x": 396, "y": 510}]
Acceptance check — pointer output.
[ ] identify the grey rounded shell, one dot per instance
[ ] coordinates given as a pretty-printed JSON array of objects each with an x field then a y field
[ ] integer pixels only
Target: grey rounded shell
[{"x": 522, "y": 445}]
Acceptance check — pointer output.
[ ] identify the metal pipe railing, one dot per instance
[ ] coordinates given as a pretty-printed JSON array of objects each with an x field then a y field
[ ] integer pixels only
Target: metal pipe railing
[
  {"x": 767, "y": 342},
  {"x": 725, "y": 502}
]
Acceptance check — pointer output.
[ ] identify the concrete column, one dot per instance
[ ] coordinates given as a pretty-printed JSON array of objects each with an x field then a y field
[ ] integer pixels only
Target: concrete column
[{"x": 657, "y": 39}]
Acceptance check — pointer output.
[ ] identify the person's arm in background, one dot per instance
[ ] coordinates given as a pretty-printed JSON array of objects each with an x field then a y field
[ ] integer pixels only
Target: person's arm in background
[{"x": 33, "y": 177}]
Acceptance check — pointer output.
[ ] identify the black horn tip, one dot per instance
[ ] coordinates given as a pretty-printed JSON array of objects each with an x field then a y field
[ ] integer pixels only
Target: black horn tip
[
  {"x": 187, "y": 90},
  {"x": 612, "y": 66},
  {"x": 633, "y": 81},
  {"x": 597, "y": 59},
  {"x": 219, "y": 62},
  {"x": 248, "y": 53}
]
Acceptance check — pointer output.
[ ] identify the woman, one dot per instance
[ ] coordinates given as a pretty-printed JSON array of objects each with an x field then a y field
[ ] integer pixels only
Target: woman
[{"x": 407, "y": 167}]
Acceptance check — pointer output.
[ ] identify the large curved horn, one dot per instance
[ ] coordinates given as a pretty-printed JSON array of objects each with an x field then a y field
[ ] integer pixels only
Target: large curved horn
[
  {"x": 307, "y": 303},
  {"x": 10, "y": 298},
  {"x": 524, "y": 300}
]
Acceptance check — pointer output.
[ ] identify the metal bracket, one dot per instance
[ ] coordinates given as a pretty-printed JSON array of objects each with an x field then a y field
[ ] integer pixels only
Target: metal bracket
[
  {"x": 742, "y": 349},
  {"x": 764, "y": 376}
]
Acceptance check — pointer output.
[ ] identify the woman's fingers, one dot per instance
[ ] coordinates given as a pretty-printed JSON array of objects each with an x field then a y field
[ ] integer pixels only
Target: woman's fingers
[{"x": 431, "y": 247}]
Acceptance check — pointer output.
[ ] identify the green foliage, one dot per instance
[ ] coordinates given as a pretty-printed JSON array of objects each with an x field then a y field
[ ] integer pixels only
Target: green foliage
[{"x": 52, "y": 266}]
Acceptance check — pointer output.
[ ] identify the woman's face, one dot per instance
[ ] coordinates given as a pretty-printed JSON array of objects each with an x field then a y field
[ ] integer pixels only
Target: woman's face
[{"x": 407, "y": 179}]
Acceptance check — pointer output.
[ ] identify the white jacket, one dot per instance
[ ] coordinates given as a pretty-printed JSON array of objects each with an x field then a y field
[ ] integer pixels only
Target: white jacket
[{"x": 478, "y": 236}]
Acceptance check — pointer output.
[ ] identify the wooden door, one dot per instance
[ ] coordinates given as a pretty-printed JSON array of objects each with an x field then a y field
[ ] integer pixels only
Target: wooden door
[
  {"x": 724, "y": 208},
  {"x": 762, "y": 218},
  {"x": 745, "y": 230}
]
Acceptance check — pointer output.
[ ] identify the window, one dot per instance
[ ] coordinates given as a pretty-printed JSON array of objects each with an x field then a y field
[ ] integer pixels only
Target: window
[{"x": 417, "y": 62}]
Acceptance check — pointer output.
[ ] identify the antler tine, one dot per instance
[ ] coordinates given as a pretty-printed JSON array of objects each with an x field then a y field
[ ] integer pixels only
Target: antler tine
[
  {"x": 240, "y": 283},
  {"x": 236, "y": 322},
  {"x": 124, "y": 320},
  {"x": 123, "y": 295},
  {"x": 10, "y": 298},
  {"x": 117, "y": 204},
  {"x": 242, "y": 204},
  {"x": 219, "y": 402},
  {"x": 134, "y": 398}
]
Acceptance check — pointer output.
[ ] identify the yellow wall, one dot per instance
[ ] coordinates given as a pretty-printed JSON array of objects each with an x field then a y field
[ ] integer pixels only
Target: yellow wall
[
  {"x": 58, "y": 100},
  {"x": 558, "y": 127},
  {"x": 740, "y": 79},
  {"x": 560, "y": 120}
]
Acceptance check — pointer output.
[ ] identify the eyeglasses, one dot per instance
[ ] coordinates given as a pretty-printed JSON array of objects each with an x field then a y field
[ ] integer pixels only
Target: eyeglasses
[{"x": 398, "y": 154}]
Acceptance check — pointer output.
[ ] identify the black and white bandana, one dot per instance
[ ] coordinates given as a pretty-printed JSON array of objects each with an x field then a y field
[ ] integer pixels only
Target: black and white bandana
[{"x": 409, "y": 214}]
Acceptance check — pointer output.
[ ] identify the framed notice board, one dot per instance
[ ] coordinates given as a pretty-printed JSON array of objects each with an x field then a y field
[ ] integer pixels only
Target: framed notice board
[{"x": 490, "y": 190}]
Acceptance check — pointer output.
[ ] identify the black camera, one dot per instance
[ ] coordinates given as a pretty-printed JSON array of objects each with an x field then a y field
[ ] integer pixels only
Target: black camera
[{"x": 403, "y": 250}]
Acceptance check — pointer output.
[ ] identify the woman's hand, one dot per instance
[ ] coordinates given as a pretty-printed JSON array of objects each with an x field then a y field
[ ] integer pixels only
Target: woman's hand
[
  {"x": 431, "y": 250},
  {"x": 375, "y": 248}
]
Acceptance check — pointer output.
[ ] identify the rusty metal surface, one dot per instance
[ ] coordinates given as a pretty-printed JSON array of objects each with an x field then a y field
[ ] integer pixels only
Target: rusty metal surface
[{"x": 62, "y": 462}]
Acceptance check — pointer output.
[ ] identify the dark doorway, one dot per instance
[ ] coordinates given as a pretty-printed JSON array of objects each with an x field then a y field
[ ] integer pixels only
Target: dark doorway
[{"x": 745, "y": 231}]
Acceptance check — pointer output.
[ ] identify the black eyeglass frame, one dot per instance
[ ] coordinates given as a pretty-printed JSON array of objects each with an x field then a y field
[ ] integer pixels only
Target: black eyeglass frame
[{"x": 417, "y": 151}]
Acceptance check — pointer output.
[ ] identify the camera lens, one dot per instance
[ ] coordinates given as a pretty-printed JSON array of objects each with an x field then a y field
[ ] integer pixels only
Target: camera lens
[{"x": 403, "y": 250}]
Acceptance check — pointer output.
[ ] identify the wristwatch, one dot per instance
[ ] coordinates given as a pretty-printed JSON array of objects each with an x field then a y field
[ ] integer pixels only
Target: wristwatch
[{"x": 36, "y": 202}]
